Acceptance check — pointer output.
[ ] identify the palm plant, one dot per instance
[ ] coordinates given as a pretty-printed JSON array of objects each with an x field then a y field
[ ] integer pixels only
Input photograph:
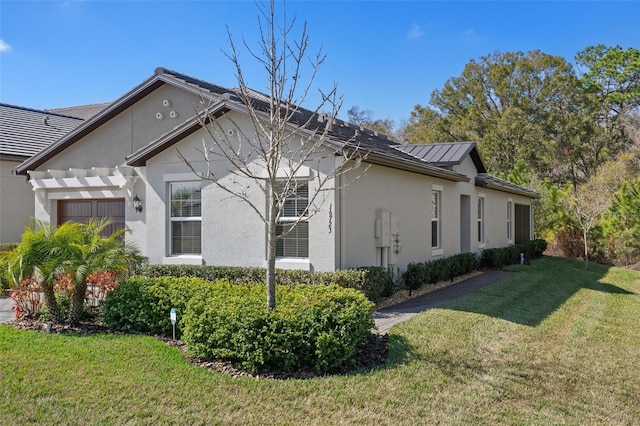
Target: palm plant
[
  {"x": 93, "y": 253},
  {"x": 38, "y": 257},
  {"x": 47, "y": 253}
]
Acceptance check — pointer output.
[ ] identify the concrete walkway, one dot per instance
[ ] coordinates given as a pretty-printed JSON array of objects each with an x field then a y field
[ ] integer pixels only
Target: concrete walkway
[
  {"x": 388, "y": 317},
  {"x": 6, "y": 313}
]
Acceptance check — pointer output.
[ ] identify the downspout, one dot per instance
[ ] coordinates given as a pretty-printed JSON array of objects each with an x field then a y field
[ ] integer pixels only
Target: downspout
[{"x": 340, "y": 228}]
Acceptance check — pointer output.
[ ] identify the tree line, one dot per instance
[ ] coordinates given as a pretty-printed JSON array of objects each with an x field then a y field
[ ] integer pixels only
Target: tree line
[{"x": 570, "y": 132}]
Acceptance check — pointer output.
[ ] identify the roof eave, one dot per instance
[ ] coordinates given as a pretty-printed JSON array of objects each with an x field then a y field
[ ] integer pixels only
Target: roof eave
[
  {"x": 524, "y": 192},
  {"x": 91, "y": 124},
  {"x": 383, "y": 160}
]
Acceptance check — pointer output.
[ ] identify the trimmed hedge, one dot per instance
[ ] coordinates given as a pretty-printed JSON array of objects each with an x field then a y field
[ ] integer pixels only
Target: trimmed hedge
[
  {"x": 433, "y": 271},
  {"x": 375, "y": 282},
  {"x": 312, "y": 326},
  {"x": 503, "y": 256},
  {"x": 142, "y": 304}
]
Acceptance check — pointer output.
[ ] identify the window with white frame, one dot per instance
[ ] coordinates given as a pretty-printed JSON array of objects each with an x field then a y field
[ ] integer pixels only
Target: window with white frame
[
  {"x": 293, "y": 226},
  {"x": 185, "y": 218},
  {"x": 509, "y": 206},
  {"x": 436, "y": 229},
  {"x": 480, "y": 220}
]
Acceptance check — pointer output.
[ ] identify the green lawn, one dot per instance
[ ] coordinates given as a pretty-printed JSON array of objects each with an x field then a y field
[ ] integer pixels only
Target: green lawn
[{"x": 551, "y": 344}]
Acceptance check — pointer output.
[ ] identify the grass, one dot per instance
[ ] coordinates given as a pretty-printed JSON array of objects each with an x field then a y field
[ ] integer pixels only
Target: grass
[{"x": 551, "y": 344}]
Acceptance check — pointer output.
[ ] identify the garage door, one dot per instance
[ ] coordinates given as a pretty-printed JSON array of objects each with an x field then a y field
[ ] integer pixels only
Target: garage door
[{"x": 82, "y": 210}]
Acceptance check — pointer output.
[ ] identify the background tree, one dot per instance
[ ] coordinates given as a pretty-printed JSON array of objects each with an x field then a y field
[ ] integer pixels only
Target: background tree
[
  {"x": 426, "y": 125},
  {"x": 364, "y": 117},
  {"x": 254, "y": 158},
  {"x": 517, "y": 107},
  {"x": 621, "y": 224},
  {"x": 612, "y": 76}
]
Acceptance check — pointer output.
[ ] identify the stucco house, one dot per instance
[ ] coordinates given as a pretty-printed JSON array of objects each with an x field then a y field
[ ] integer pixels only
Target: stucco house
[{"x": 411, "y": 202}]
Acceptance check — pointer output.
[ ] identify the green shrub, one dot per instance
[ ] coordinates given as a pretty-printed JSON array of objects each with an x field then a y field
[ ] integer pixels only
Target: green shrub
[
  {"x": 312, "y": 326},
  {"x": 433, "y": 271},
  {"x": 142, "y": 304},
  {"x": 375, "y": 282},
  {"x": 4, "y": 281},
  {"x": 503, "y": 256}
]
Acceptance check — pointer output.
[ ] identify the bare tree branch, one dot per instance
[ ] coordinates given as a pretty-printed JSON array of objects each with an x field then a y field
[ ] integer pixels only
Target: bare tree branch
[{"x": 281, "y": 139}]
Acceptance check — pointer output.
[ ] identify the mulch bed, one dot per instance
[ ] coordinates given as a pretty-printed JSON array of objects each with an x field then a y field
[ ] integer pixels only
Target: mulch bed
[{"x": 370, "y": 355}]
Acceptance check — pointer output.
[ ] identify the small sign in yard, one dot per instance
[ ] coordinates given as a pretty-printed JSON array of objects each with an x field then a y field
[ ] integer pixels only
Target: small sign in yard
[{"x": 172, "y": 316}]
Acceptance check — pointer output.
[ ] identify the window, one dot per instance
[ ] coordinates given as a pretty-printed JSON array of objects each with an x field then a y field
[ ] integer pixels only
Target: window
[
  {"x": 435, "y": 219},
  {"x": 186, "y": 218},
  {"x": 293, "y": 238},
  {"x": 480, "y": 220},
  {"x": 509, "y": 236}
]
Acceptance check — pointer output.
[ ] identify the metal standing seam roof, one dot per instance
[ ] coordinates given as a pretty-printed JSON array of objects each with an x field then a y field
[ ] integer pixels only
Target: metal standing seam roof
[
  {"x": 25, "y": 131},
  {"x": 444, "y": 154}
]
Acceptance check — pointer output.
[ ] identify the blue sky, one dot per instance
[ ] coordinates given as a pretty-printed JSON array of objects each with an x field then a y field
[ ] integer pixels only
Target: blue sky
[{"x": 385, "y": 56}]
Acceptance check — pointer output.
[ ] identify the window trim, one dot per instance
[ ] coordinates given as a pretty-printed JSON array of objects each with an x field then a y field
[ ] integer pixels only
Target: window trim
[
  {"x": 174, "y": 219},
  {"x": 509, "y": 220},
  {"x": 436, "y": 191},
  {"x": 286, "y": 257},
  {"x": 481, "y": 221}
]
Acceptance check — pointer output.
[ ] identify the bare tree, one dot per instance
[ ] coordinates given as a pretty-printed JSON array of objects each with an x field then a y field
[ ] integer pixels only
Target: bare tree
[
  {"x": 282, "y": 139},
  {"x": 588, "y": 202}
]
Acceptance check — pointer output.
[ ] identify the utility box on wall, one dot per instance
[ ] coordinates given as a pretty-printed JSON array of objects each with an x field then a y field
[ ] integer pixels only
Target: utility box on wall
[
  {"x": 383, "y": 230},
  {"x": 387, "y": 235}
]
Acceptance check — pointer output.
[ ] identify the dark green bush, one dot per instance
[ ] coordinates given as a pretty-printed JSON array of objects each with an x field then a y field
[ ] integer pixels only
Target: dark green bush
[
  {"x": 312, "y": 326},
  {"x": 433, "y": 271},
  {"x": 375, "y": 282},
  {"x": 142, "y": 304},
  {"x": 503, "y": 256}
]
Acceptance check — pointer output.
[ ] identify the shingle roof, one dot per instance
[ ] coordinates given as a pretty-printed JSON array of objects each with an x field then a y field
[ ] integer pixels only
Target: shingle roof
[
  {"x": 25, "y": 131},
  {"x": 81, "y": 111}
]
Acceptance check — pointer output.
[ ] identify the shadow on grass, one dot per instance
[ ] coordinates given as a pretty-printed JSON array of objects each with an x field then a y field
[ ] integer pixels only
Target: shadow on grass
[{"x": 535, "y": 291}]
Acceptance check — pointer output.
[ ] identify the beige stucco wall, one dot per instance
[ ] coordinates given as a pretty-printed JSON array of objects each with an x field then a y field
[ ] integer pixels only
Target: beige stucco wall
[
  {"x": 129, "y": 131},
  {"x": 232, "y": 232},
  {"x": 16, "y": 203},
  {"x": 108, "y": 146},
  {"x": 408, "y": 195}
]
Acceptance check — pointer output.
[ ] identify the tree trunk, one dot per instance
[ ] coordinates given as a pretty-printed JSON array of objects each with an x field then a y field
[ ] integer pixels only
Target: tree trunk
[
  {"x": 77, "y": 303},
  {"x": 51, "y": 304},
  {"x": 586, "y": 250},
  {"x": 271, "y": 253}
]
